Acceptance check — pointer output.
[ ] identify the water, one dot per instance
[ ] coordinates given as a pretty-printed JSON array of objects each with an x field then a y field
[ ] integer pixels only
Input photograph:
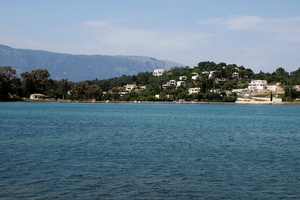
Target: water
[{"x": 149, "y": 151}]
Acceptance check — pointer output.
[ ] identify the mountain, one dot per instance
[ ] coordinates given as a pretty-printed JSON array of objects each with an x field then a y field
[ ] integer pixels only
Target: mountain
[{"x": 79, "y": 67}]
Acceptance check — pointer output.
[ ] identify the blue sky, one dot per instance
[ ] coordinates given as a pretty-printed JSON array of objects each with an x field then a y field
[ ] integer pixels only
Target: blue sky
[{"x": 258, "y": 34}]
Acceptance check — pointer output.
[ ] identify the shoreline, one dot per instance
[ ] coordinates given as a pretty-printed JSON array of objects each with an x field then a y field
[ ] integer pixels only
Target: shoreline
[{"x": 161, "y": 102}]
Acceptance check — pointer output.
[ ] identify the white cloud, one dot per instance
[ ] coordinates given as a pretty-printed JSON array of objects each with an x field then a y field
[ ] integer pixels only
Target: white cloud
[
  {"x": 105, "y": 23},
  {"x": 166, "y": 44},
  {"x": 287, "y": 29},
  {"x": 96, "y": 23},
  {"x": 243, "y": 22},
  {"x": 233, "y": 22},
  {"x": 227, "y": 41}
]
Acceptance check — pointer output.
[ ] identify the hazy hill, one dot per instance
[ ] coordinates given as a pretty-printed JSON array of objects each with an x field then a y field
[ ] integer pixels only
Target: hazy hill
[{"x": 79, "y": 67}]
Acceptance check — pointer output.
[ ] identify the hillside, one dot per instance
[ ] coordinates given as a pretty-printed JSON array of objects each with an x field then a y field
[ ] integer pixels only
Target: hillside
[{"x": 79, "y": 67}]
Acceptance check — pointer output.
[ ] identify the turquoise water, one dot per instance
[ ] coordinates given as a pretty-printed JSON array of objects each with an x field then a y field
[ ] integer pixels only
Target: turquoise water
[{"x": 149, "y": 151}]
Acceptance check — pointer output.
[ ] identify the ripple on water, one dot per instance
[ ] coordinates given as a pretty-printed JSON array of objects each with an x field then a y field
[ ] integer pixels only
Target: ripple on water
[{"x": 148, "y": 151}]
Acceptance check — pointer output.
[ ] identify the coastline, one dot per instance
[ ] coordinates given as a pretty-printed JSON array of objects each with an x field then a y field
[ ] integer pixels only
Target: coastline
[{"x": 161, "y": 102}]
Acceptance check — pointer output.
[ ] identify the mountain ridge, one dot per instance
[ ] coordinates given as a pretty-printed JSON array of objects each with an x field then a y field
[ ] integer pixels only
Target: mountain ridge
[{"x": 79, "y": 67}]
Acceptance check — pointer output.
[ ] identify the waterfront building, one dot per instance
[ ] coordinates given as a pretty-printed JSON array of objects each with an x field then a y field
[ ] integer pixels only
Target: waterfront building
[{"x": 257, "y": 85}]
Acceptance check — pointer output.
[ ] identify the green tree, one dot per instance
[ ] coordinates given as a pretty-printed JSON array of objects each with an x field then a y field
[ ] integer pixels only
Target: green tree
[
  {"x": 295, "y": 77},
  {"x": 281, "y": 75},
  {"x": 115, "y": 93},
  {"x": 63, "y": 87},
  {"x": 93, "y": 91},
  {"x": 79, "y": 91},
  {"x": 16, "y": 88},
  {"x": 40, "y": 78},
  {"x": 212, "y": 96},
  {"x": 7, "y": 73},
  {"x": 27, "y": 84},
  {"x": 35, "y": 81}
]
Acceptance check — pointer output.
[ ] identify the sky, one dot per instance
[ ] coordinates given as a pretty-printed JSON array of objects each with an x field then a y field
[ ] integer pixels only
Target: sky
[{"x": 259, "y": 34}]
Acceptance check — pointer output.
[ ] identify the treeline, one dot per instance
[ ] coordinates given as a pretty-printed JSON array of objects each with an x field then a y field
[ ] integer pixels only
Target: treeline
[{"x": 13, "y": 87}]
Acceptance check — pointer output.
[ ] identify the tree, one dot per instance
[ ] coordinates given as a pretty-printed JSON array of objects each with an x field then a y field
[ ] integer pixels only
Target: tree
[
  {"x": 16, "y": 87},
  {"x": 281, "y": 75},
  {"x": 27, "y": 84},
  {"x": 261, "y": 75},
  {"x": 79, "y": 90},
  {"x": 212, "y": 96},
  {"x": 280, "y": 72},
  {"x": 93, "y": 91},
  {"x": 35, "y": 81},
  {"x": 63, "y": 87},
  {"x": 7, "y": 73},
  {"x": 115, "y": 93},
  {"x": 295, "y": 77},
  {"x": 40, "y": 78}
]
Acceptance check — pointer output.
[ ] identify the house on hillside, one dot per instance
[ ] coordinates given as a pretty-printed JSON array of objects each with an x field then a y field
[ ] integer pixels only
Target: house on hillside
[
  {"x": 129, "y": 87},
  {"x": 159, "y": 96},
  {"x": 182, "y": 78},
  {"x": 235, "y": 75},
  {"x": 122, "y": 93},
  {"x": 257, "y": 85},
  {"x": 172, "y": 82},
  {"x": 181, "y": 83},
  {"x": 221, "y": 80},
  {"x": 194, "y": 90},
  {"x": 195, "y": 76},
  {"x": 158, "y": 72},
  {"x": 164, "y": 86},
  {"x": 143, "y": 87},
  {"x": 210, "y": 74}
]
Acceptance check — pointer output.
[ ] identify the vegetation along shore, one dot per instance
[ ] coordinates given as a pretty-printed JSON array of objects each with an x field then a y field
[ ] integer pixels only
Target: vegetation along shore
[{"x": 207, "y": 82}]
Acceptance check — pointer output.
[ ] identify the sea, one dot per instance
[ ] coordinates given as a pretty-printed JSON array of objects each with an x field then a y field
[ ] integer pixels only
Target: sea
[{"x": 52, "y": 150}]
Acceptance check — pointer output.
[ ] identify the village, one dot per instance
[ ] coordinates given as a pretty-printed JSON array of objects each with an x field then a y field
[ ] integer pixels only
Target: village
[{"x": 207, "y": 82}]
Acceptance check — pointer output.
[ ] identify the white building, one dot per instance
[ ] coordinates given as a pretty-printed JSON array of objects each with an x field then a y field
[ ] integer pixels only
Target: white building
[
  {"x": 164, "y": 86},
  {"x": 195, "y": 76},
  {"x": 235, "y": 75},
  {"x": 158, "y": 72},
  {"x": 172, "y": 82},
  {"x": 210, "y": 74},
  {"x": 182, "y": 78},
  {"x": 181, "y": 83},
  {"x": 194, "y": 90},
  {"x": 37, "y": 96},
  {"x": 221, "y": 80},
  {"x": 257, "y": 85},
  {"x": 122, "y": 93},
  {"x": 129, "y": 87}
]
